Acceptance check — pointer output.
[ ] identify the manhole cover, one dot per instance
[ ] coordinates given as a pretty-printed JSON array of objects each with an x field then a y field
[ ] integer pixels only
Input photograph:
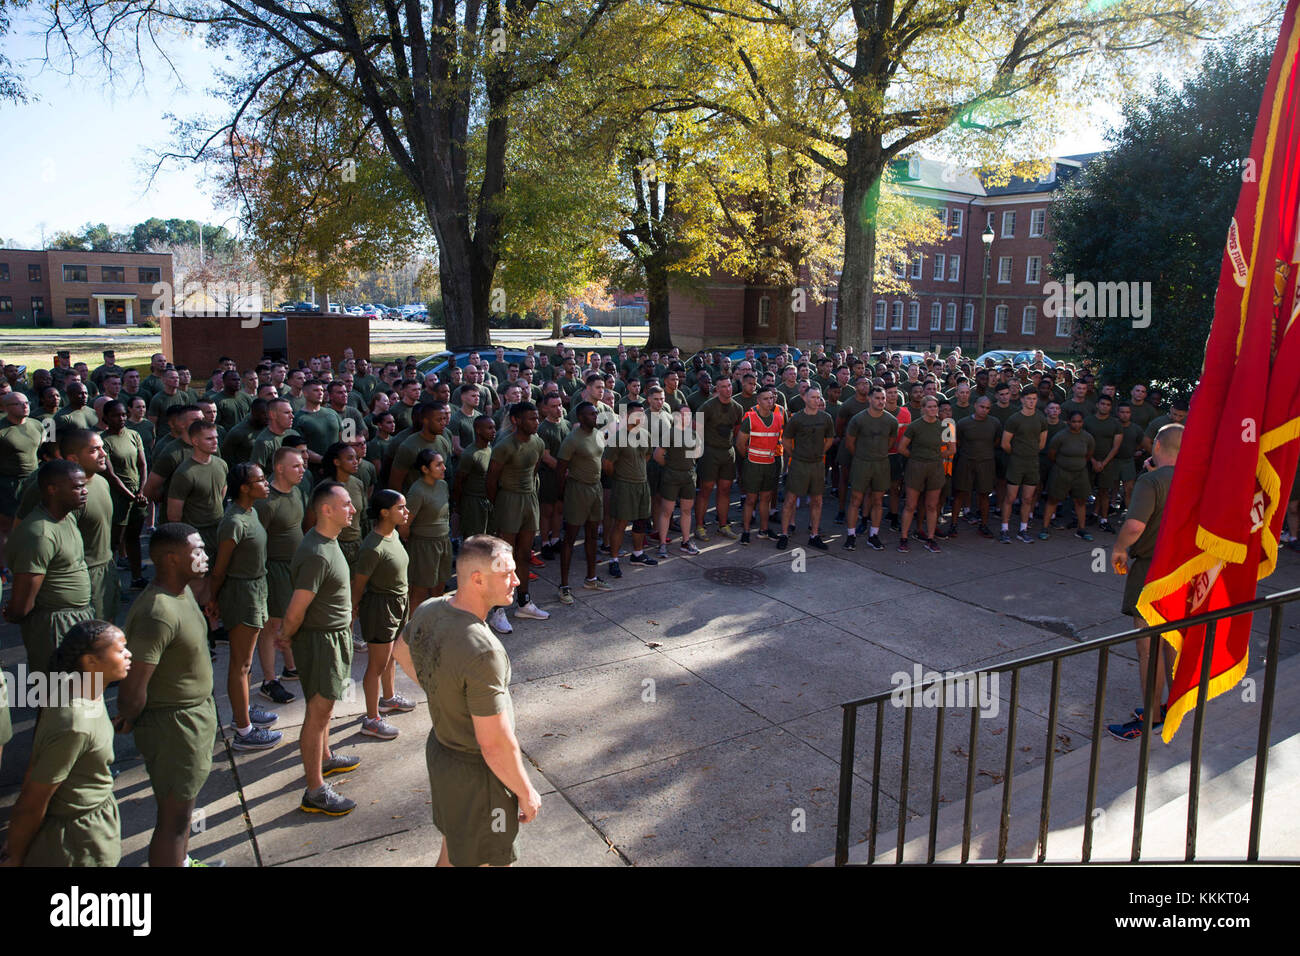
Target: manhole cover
[{"x": 735, "y": 577}]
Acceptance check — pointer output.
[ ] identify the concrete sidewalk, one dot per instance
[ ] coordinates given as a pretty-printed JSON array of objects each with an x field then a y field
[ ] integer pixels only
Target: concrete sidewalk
[{"x": 691, "y": 715}]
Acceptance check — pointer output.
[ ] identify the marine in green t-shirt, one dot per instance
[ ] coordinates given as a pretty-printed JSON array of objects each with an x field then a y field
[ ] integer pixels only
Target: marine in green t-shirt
[{"x": 318, "y": 566}]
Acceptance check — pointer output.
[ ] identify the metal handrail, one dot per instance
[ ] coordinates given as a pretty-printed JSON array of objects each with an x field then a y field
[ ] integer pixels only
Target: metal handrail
[{"x": 1102, "y": 645}]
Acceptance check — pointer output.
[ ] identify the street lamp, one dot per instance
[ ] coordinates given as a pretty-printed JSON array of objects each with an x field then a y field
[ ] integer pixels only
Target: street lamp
[{"x": 987, "y": 238}]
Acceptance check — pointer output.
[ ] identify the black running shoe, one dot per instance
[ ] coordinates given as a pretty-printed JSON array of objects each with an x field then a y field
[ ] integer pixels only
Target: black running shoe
[
  {"x": 876, "y": 543},
  {"x": 851, "y": 542}
]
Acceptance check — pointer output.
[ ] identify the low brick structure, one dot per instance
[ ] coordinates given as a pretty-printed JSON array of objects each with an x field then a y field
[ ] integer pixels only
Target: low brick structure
[{"x": 198, "y": 341}]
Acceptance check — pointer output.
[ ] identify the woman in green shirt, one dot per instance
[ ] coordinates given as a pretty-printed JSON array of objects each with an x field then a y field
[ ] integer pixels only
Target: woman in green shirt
[
  {"x": 1070, "y": 451},
  {"x": 239, "y": 586},
  {"x": 66, "y": 814},
  {"x": 341, "y": 464},
  {"x": 379, "y": 597},
  {"x": 924, "y": 446},
  {"x": 428, "y": 533}
]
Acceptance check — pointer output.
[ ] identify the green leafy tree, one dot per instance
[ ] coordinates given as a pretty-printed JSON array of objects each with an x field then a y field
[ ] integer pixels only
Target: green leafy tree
[{"x": 1156, "y": 208}]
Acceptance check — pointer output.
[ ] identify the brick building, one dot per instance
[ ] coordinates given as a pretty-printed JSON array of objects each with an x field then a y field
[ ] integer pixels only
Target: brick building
[
  {"x": 944, "y": 303},
  {"x": 64, "y": 288}
]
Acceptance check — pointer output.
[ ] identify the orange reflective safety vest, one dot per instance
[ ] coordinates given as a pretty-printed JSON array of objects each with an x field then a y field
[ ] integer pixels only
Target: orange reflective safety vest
[{"x": 765, "y": 439}]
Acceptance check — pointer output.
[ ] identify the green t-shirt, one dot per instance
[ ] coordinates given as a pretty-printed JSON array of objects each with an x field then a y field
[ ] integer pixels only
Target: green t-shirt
[
  {"x": 1154, "y": 426},
  {"x": 320, "y": 428},
  {"x": 1144, "y": 414},
  {"x": 384, "y": 563},
  {"x": 977, "y": 439},
  {"x": 553, "y": 435},
  {"x": 848, "y": 409},
  {"x": 629, "y": 459},
  {"x": 1103, "y": 432},
  {"x": 84, "y": 417},
  {"x": 281, "y": 514},
  {"x": 124, "y": 450},
  {"x": 245, "y": 529},
  {"x": 1150, "y": 492},
  {"x": 461, "y": 427},
  {"x": 201, "y": 487},
  {"x": 170, "y": 632},
  {"x": 719, "y": 423},
  {"x": 73, "y": 748},
  {"x": 144, "y": 428},
  {"x": 357, "y": 492},
  {"x": 1073, "y": 451},
  {"x": 237, "y": 446},
  {"x": 430, "y": 511},
  {"x": 319, "y": 566},
  {"x": 266, "y": 444},
  {"x": 473, "y": 465},
  {"x": 1130, "y": 441},
  {"x": 41, "y": 545},
  {"x": 1087, "y": 406},
  {"x": 872, "y": 436},
  {"x": 18, "y": 445},
  {"x": 583, "y": 452},
  {"x": 410, "y": 449},
  {"x": 463, "y": 669},
  {"x": 519, "y": 462},
  {"x": 1026, "y": 433},
  {"x": 402, "y": 415},
  {"x": 232, "y": 411},
  {"x": 95, "y": 521},
  {"x": 926, "y": 439},
  {"x": 160, "y": 402}
]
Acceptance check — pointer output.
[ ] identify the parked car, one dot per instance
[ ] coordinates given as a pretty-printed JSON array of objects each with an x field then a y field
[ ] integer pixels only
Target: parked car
[
  {"x": 578, "y": 330},
  {"x": 438, "y": 361},
  {"x": 999, "y": 357},
  {"x": 909, "y": 358},
  {"x": 1027, "y": 358},
  {"x": 737, "y": 353}
]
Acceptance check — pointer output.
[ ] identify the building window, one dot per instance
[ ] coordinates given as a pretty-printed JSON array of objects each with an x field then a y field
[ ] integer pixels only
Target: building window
[
  {"x": 4, "y": 272},
  {"x": 1004, "y": 268},
  {"x": 936, "y": 317},
  {"x": 112, "y": 273},
  {"x": 6, "y": 303},
  {"x": 913, "y": 316},
  {"x": 76, "y": 273},
  {"x": 954, "y": 268},
  {"x": 1037, "y": 223},
  {"x": 1034, "y": 270},
  {"x": 764, "y": 312},
  {"x": 940, "y": 263},
  {"x": 832, "y": 306},
  {"x": 881, "y": 309},
  {"x": 1062, "y": 325},
  {"x": 968, "y": 318},
  {"x": 954, "y": 221},
  {"x": 1009, "y": 224},
  {"x": 1000, "y": 315},
  {"x": 897, "y": 323},
  {"x": 77, "y": 306},
  {"x": 991, "y": 219},
  {"x": 943, "y": 216},
  {"x": 950, "y": 321},
  {"x": 33, "y": 273},
  {"x": 38, "y": 304},
  {"x": 1029, "y": 321},
  {"x": 900, "y": 268},
  {"x": 916, "y": 267},
  {"x": 150, "y": 275},
  {"x": 146, "y": 308}
]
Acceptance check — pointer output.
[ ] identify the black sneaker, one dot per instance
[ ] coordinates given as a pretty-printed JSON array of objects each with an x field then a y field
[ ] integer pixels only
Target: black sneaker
[
  {"x": 851, "y": 543},
  {"x": 1025, "y": 536},
  {"x": 894, "y": 523},
  {"x": 642, "y": 558},
  {"x": 840, "y": 517},
  {"x": 289, "y": 673},
  {"x": 984, "y": 530},
  {"x": 548, "y": 552},
  {"x": 274, "y": 691},
  {"x": 219, "y": 636},
  {"x": 768, "y": 534},
  {"x": 783, "y": 542},
  {"x": 815, "y": 541},
  {"x": 1104, "y": 525},
  {"x": 614, "y": 570},
  {"x": 1004, "y": 537},
  {"x": 903, "y": 546},
  {"x": 139, "y": 584},
  {"x": 931, "y": 545},
  {"x": 876, "y": 543},
  {"x": 948, "y": 532},
  {"x": 744, "y": 537}
]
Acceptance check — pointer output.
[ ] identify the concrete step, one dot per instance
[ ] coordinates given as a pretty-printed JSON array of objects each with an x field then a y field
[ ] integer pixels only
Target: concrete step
[{"x": 1227, "y": 777}]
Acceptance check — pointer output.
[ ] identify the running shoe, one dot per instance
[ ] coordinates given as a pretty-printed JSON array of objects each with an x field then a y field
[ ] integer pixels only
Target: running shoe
[
  {"x": 688, "y": 548},
  {"x": 274, "y": 691},
  {"x": 378, "y": 727},
  {"x": 727, "y": 531},
  {"x": 1024, "y": 535},
  {"x": 499, "y": 622},
  {"x": 782, "y": 542},
  {"x": 1083, "y": 535},
  {"x": 949, "y": 532},
  {"x": 262, "y": 718},
  {"x": 1138, "y": 711},
  {"x": 744, "y": 538},
  {"x": 360, "y": 646},
  {"x": 876, "y": 543},
  {"x": 289, "y": 673},
  {"x": 840, "y": 517},
  {"x": 1044, "y": 535},
  {"x": 701, "y": 534},
  {"x": 535, "y": 561},
  {"x": 767, "y": 533},
  {"x": 397, "y": 704},
  {"x": 219, "y": 636},
  {"x": 903, "y": 546},
  {"x": 851, "y": 542},
  {"x": 259, "y": 738},
  {"x": 339, "y": 763},
  {"x": 642, "y": 558},
  {"x": 894, "y": 523},
  {"x": 548, "y": 552},
  {"x": 1004, "y": 537},
  {"x": 327, "y": 802},
  {"x": 566, "y": 595},
  {"x": 597, "y": 584},
  {"x": 614, "y": 570},
  {"x": 984, "y": 530},
  {"x": 661, "y": 552},
  {"x": 1104, "y": 525},
  {"x": 815, "y": 541},
  {"x": 532, "y": 576},
  {"x": 931, "y": 545},
  {"x": 139, "y": 584},
  {"x": 532, "y": 612},
  {"x": 1129, "y": 731},
  {"x": 209, "y": 864}
]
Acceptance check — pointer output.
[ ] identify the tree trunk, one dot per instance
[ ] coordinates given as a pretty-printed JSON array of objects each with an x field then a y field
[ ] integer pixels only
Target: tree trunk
[
  {"x": 860, "y": 205},
  {"x": 557, "y": 315},
  {"x": 656, "y": 275}
]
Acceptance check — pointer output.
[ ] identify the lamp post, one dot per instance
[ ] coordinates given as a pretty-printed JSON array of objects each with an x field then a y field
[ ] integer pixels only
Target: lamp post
[{"x": 987, "y": 239}]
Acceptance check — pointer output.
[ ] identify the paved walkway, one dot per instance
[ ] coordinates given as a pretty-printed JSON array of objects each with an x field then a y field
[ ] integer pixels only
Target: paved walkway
[{"x": 690, "y": 717}]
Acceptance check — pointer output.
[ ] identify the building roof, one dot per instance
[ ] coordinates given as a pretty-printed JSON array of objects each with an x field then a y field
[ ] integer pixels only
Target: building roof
[{"x": 919, "y": 172}]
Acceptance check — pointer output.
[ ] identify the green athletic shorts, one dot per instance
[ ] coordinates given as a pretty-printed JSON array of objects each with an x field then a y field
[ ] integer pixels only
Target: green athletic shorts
[
  {"x": 806, "y": 478},
  {"x": 629, "y": 500},
  {"x": 382, "y": 616},
  {"x": 925, "y": 476},
  {"x": 279, "y": 588},
  {"x": 1068, "y": 484},
  {"x": 127, "y": 511},
  {"x": 324, "y": 660},
  {"x": 43, "y": 630},
  {"x": 514, "y": 512},
  {"x": 974, "y": 476},
  {"x": 583, "y": 504},
  {"x": 93, "y": 838},
  {"x": 869, "y": 476},
  {"x": 756, "y": 479},
  {"x": 475, "y": 515},
  {"x": 477, "y": 816},
  {"x": 105, "y": 591},
  {"x": 242, "y": 602},
  {"x": 716, "y": 464},
  {"x": 176, "y": 743},
  {"x": 1133, "y": 584},
  {"x": 1128, "y": 471},
  {"x": 677, "y": 485},
  {"x": 430, "y": 563},
  {"x": 1022, "y": 471},
  {"x": 1108, "y": 477}
]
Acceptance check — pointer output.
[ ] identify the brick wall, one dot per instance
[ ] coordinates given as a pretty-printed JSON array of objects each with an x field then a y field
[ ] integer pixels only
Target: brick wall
[
  {"x": 18, "y": 289},
  {"x": 198, "y": 341},
  {"x": 325, "y": 333},
  {"x": 129, "y": 262}
]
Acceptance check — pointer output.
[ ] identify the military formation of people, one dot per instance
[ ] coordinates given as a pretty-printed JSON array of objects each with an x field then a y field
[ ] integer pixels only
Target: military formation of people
[{"x": 304, "y": 514}]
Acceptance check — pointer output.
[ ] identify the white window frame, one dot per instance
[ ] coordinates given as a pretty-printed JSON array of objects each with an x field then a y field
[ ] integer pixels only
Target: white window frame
[
  {"x": 968, "y": 318},
  {"x": 992, "y": 218},
  {"x": 1001, "y": 315},
  {"x": 896, "y": 320},
  {"x": 955, "y": 220},
  {"x": 1037, "y": 223},
  {"x": 913, "y": 316},
  {"x": 1009, "y": 224},
  {"x": 936, "y": 317},
  {"x": 1029, "y": 321},
  {"x": 764, "y": 312},
  {"x": 954, "y": 268},
  {"x": 1033, "y": 270},
  {"x": 943, "y": 216},
  {"x": 950, "y": 318},
  {"x": 940, "y": 265},
  {"x": 1063, "y": 325},
  {"x": 917, "y": 266},
  {"x": 833, "y": 306},
  {"x": 882, "y": 315},
  {"x": 1004, "y": 268},
  {"x": 900, "y": 268}
]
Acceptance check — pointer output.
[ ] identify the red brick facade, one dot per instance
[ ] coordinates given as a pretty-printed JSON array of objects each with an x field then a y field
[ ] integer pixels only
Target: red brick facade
[
  {"x": 199, "y": 341},
  {"x": 69, "y": 288}
]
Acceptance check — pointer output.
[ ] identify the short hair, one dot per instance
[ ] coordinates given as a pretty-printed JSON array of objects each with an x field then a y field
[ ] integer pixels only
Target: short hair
[
  {"x": 55, "y": 471},
  {"x": 1182, "y": 403},
  {"x": 283, "y": 452},
  {"x": 199, "y": 426},
  {"x": 478, "y": 551},
  {"x": 323, "y": 491},
  {"x": 168, "y": 537},
  {"x": 1170, "y": 438},
  {"x": 279, "y": 401},
  {"x": 74, "y": 441},
  {"x": 177, "y": 410},
  {"x": 520, "y": 409}
]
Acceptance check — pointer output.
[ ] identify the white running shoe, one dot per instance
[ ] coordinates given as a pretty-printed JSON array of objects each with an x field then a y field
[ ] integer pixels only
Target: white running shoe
[
  {"x": 532, "y": 611},
  {"x": 499, "y": 622}
]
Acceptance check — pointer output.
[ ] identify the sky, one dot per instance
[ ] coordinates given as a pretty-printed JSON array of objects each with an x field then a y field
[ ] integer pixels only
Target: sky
[{"x": 82, "y": 150}]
